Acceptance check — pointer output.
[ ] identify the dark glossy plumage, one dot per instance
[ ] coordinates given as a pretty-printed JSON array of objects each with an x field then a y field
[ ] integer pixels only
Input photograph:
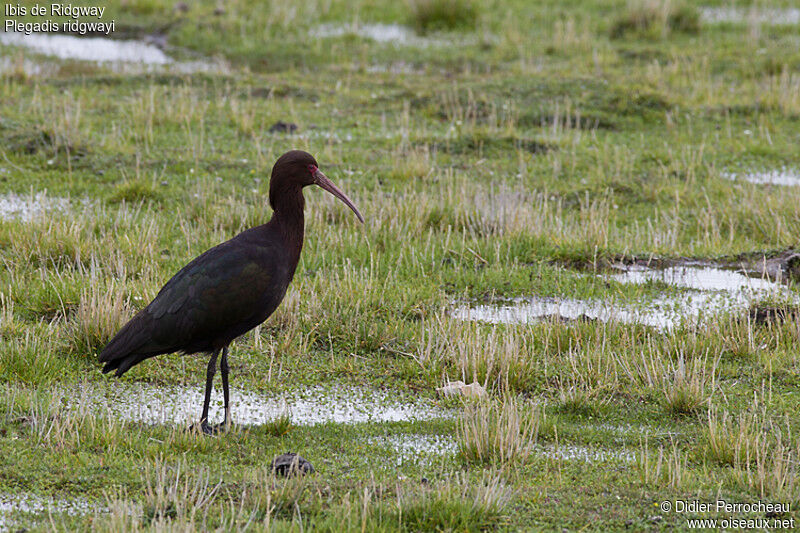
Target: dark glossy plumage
[
  {"x": 230, "y": 288},
  {"x": 220, "y": 295}
]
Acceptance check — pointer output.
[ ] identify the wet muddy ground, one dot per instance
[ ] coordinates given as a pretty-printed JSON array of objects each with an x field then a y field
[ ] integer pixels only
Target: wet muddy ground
[
  {"x": 710, "y": 290},
  {"x": 153, "y": 404},
  {"x": 757, "y": 14},
  {"x": 28, "y": 207},
  {"x": 788, "y": 177},
  {"x": 14, "y": 506},
  {"x": 393, "y": 34},
  {"x": 121, "y": 56}
]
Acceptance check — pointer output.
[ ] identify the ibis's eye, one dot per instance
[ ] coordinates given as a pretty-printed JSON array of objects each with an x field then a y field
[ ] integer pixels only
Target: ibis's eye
[{"x": 312, "y": 168}]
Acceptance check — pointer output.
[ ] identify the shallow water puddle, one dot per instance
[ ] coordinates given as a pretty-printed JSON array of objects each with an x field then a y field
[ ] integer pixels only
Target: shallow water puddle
[
  {"x": 125, "y": 56},
  {"x": 97, "y": 49},
  {"x": 712, "y": 291},
  {"x": 700, "y": 277},
  {"x": 14, "y": 206},
  {"x": 396, "y": 34},
  {"x": 382, "y": 33},
  {"x": 573, "y": 452},
  {"x": 18, "y": 65},
  {"x": 784, "y": 176},
  {"x": 398, "y": 67},
  {"x": 629, "y": 429},
  {"x": 773, "y": 16},
  {"x": 31, "y": 504},
  {"x": 151, "y": 404},
  {"x": 663, "y": 312},
  {"x": 410, "y": 446}
]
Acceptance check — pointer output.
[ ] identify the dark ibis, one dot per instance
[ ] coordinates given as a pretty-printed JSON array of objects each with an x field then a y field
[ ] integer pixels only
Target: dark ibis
[{"x": 229, "y": 289}]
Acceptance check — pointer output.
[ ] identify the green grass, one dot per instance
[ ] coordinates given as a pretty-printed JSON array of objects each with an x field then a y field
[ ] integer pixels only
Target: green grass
[
  {"x": 521, "y": 151},
  {"x": 431, "y": 15},
  {"x": 656, "y": 19}
]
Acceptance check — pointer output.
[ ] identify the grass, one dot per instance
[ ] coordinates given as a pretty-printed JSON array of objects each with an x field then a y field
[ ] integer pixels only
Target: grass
[
  {"x": 498, "y": 434},
  {"x": 656, "y": 19},
  {"x": 518, "y": 151},
  {"x": 428, "y": 15},
  {"x": 101, "y": 312}
]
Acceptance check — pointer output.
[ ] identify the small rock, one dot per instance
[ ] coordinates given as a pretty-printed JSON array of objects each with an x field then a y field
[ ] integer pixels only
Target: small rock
[
  {"x": 181, "y": 7},
  {"x": 219, "y": 11},
  {"x": 459, "y": 388},
  {"x": 283, "y": 127},
  {"x": 289, "y": 464}
]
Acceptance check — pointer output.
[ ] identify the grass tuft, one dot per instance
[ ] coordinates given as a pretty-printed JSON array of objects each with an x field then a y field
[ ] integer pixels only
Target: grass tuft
[
  {"x": 499, "y": 433},
  {"x": 102, "y": 311},
  {"x": 454, "y": 505},
  {"x": 278, "y": 426},
  {"x": 443, "y": 15},
  {"x": 133, "y": 192},
  {"x": 776, "y": 472},
  {"x": 732, "y": 440},
  {"x": 172, "y": 492},
  {"x": 579, "y": 398},
  {"x": 688, "y": 390},
  {"x": 667, "y": 468},
  {"x": 656, "y": 19}
]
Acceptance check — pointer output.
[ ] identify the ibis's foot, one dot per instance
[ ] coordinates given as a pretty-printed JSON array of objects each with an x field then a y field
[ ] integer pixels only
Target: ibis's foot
[
  {"x": 207, "y": 429},
  {"x": 221, "y": 428}
]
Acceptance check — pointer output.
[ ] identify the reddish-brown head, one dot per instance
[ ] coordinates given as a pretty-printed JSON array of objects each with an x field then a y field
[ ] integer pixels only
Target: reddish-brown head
[{"x": 296, "y": 169}]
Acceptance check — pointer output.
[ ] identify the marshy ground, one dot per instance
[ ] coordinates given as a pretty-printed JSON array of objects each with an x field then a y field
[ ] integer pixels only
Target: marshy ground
[{"x": 589, "y": 208}]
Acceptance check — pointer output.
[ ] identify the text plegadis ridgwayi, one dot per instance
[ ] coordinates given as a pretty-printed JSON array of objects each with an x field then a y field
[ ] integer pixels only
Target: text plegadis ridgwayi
[{"x": 229, "y": 289}]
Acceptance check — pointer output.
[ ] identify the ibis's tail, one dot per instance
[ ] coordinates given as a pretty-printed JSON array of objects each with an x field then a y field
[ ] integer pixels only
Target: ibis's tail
[{"x": 131, "y": 345}]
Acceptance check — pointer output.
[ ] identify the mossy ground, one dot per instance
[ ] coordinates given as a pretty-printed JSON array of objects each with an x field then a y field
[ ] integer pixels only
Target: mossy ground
[{"x": 544, "y": 136}]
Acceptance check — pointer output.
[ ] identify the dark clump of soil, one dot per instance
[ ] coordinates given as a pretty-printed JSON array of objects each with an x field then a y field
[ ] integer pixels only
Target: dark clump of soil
[
  {"x": 586, "y": 121},
  {"x": 290, "y": 464},
  {"x": 580, "y": 319},
  {"x": 478, "y": 143},
  {"x": 777, "y": 266},
  {"x": 784, "y": 265},
  {"x": 261, "y": 92},
  {"x": 283, "y": 127},
  {"x": 615, "y": 262},
  {"x": 770, "y": 315}
]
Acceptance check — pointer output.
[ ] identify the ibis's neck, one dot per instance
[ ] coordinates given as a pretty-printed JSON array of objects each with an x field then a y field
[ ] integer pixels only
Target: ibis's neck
[{"x": 288, "y": 217}]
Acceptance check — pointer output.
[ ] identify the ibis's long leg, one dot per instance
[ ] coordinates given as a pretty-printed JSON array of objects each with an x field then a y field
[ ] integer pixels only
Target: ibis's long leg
[
  {"x": 223, "y": 366},
  {"x": 212, "y": 368}
]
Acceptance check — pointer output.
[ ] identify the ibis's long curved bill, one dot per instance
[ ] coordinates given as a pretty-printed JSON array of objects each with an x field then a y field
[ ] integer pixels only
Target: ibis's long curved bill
[{"x": 323, "y": 181}]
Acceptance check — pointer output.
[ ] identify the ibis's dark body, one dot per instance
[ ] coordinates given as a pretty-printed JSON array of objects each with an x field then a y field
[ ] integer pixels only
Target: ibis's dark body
[
  {"x": 229, "y": 289},
  {"x": 223, "y": 293}
]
